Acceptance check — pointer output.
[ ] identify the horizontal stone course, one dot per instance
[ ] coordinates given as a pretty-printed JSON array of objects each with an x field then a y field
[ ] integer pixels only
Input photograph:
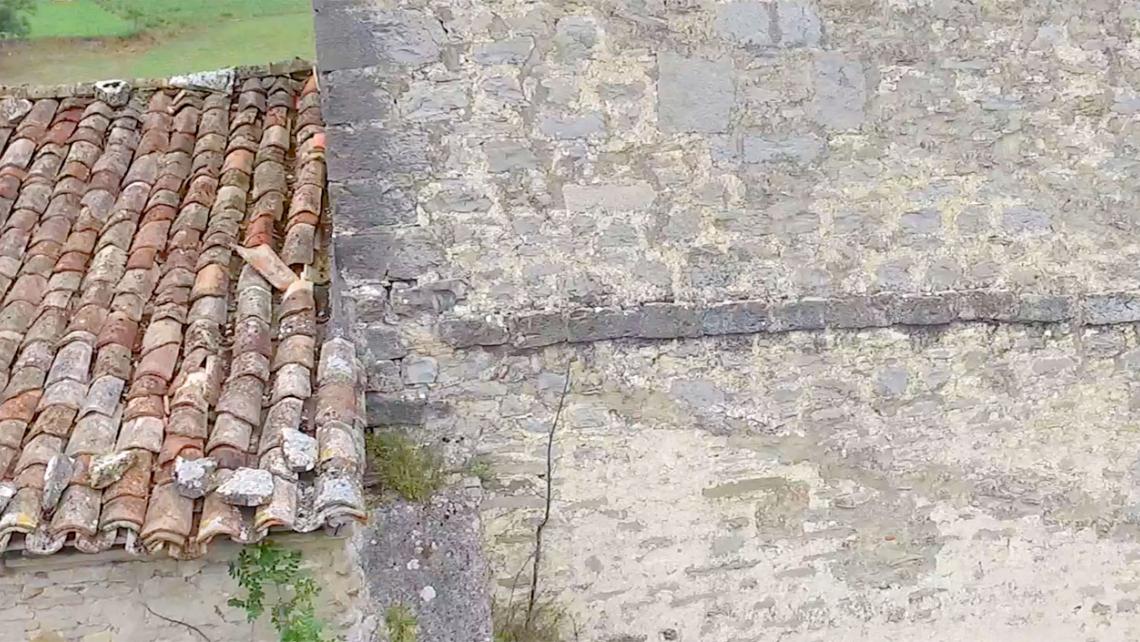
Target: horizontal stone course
[{"x": 679, "y": 320}]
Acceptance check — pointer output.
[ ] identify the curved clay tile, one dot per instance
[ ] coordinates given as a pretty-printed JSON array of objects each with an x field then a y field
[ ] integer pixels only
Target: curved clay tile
[{"x": 117, "y": 308}]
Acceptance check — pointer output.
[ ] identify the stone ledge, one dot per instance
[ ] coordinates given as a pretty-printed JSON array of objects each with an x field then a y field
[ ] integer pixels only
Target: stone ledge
[{"x": 676, "y": 320}]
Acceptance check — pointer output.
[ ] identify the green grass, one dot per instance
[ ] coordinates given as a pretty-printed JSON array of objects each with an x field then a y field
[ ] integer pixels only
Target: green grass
[
  {"x": 401, "y": 624},
  {"x": 413, "y": 471},
  {"x": 234, "y": 42},
  {"x": 170, "y": 13},
  {"x": 223, "y": 44},
  {"x": 77, "y": 19},
  {"x": 518, "y": 623}
]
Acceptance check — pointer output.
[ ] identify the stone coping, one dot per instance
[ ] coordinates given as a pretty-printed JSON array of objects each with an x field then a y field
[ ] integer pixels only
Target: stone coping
[
  {"x": 677, "y": 320},
  {"x": 87, "y": 89}
]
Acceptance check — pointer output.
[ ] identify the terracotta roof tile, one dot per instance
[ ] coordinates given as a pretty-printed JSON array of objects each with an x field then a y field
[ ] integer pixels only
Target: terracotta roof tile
[{"x": 127, "y": 332}]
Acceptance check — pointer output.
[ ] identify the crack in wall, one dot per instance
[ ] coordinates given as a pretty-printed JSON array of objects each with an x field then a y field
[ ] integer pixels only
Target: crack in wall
[{"x": 537, "y": 557}]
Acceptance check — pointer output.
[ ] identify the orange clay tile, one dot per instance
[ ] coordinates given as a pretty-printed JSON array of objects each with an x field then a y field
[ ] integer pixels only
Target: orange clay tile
[{"x": 125, "y": 328}]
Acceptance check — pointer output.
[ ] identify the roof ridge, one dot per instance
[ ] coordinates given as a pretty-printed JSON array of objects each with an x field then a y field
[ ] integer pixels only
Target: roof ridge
[{"x": 291, "y": 67}]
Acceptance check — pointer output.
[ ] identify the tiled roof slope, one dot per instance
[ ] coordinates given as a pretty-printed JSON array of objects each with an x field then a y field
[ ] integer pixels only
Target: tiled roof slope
[{"x": 158, "y": 318}]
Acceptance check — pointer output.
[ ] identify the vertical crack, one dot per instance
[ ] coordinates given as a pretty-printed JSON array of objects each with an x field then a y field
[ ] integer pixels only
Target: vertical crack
[{"x": 533, "y": 598}]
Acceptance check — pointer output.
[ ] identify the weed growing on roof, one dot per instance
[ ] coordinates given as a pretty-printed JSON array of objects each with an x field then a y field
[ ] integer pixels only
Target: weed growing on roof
[
  {"x": 273, "y": 580},
  {"x": 544, "y": 621},
  {"x": 412, "y": 470},
  {"x": 402, "y": 625}
]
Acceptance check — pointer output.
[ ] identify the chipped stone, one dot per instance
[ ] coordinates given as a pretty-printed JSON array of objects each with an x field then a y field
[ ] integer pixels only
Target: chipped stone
[
  {"x": 108, "y": 469},
  {"x": 13, "y": 109},
  {"x": 194, "y": 478},
  {"x": 299, "y": 449},
  {"x": 247, "y": 487},
  {"x": 115, "y": 93},
  {"x": 7, "y": 492},
  {"x": 57, "y": 475}
]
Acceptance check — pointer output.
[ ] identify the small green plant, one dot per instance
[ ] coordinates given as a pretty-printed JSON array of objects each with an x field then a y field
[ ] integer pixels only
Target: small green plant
[
  {"x": 519, "y": 622},
  {"x": 402, "y": 626},
  {"x": 481, "y": 468},
  {"x": 273, "y": 579},
  {"x": 413, "y": 471}
]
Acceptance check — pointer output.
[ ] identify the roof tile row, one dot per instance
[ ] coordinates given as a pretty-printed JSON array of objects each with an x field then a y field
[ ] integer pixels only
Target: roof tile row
[{"x": 128, "y": 349}]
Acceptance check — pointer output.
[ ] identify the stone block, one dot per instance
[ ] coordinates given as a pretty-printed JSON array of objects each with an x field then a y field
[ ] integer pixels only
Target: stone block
[
  {"x": 735, "y": 317},
  {"x": 513, "y": 51},
  {"x": 668, "y": 321},
  {"x": 1038, "y": 308},
  {"x": 427, "y": 298},
  {"x": 987, "y": 305},
  {"x": 396, "y": 409},
  {"x": 798, "y": 24},
  {"x": 344, "y": 38},
  {"x": 363, "y": 205},
  {"x": 371, "y": 150},
  {"x": 693, "y": 94},
  {"x": 856, "y": 312},
  {"x": 381, "y": 341},
  {"x": 840, "y": 92},
  {"x": 427, "y": 101},
  {"x": 571, "y": 127},
  {"x": 419, "y": 369},
  {"x": 538, "y": 329},
  {"x": 383, "y": 375},
  {"x": 1103, "y": 309},
  {"x": 609, "y": 196},
  {"x": 402, "y": 254},
  {"x": 805, "y": 314},
  {"x": 574, "y": 38},
  {"x": 468, "y": 332},
  {"x": 509, "y": 155},
  {"x": 745, "y": 22},
  {"x": 408, "y": 37},
  {"x": 922, "y": 309},
  {"x": 891, "y": 381},
  {"x": 921, "y": 222},
  {"x": 1024, "y": 220},
  {"x": 798, "y": 149},
  {"x": 599, "y": 324},
  {"x": 353, "y": 96},
  {"x": 456, "y": 197}
]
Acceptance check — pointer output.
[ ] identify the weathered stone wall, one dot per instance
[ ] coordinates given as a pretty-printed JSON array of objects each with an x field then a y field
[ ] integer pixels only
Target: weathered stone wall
[
  {"x": 846, "y": 291},
  {"x": 105, "y": 598},
  {"x": 872, "y": 485},
  {"x": 609, "y": 153}
]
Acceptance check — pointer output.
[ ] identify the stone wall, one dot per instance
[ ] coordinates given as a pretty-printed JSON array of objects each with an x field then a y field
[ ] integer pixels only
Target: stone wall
[
  {"x": 611, "y": 153},
  {"x": 874, "y": 485},
  {"x": 110, "y": 598},
  {"x": 846, "y": 291}
]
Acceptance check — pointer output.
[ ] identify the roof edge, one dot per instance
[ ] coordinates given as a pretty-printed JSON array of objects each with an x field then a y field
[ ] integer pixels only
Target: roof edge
[{"x": 88, "y": 88}]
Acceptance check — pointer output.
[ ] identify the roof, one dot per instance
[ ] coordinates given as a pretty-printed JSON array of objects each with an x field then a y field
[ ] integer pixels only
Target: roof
[{"x": 162, "y": 278}]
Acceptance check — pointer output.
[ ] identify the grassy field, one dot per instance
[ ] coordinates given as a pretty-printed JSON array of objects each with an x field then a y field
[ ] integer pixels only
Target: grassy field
[
  {"x": 77, "y": 40},
  {"x": 78, "y": 19}
]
